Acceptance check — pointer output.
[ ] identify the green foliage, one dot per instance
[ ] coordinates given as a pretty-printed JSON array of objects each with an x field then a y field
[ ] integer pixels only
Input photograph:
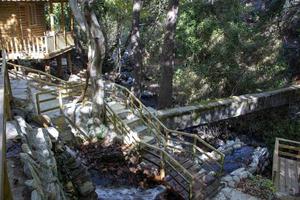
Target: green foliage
[
  {"x": 269, "y": 125},
  {"x": 100, "y": 132},
  {"x": 258, "y": 186},
  {"x": 227, "y": 54}
]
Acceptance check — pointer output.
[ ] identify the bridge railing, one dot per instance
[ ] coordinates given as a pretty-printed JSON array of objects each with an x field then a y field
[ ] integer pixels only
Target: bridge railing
[{"x": 195, "y": 146}]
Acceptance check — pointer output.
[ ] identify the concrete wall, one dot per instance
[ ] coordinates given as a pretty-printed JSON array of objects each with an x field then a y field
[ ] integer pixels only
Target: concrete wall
[{"x": 182, "y": 117}]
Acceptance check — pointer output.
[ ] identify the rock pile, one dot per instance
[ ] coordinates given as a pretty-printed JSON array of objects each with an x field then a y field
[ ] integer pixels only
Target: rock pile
[
  {"x": 71, "y": 168},
  {"x": 259, "y": 160},
  {"x": 39, "y": 162}
]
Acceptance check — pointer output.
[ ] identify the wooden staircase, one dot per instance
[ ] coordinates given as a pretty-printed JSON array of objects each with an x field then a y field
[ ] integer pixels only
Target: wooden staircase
[
  {"x": 188, "y": 164},
  {"x": 180, "y": 155}
]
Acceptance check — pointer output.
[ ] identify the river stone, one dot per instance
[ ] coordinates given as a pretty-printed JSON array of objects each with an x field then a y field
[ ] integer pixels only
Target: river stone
[
  {"x": 236, "y": 179},
  {"x": 238, "y": 171},
  {"x": 231, "y": 184},
  {"x": 227, "y": 178},
  {"x": 86, "y": 188},
  {"x": 53, "y": 133},
  {"x": 11, "y": 130},
  {"x": 233, "y": 194}
]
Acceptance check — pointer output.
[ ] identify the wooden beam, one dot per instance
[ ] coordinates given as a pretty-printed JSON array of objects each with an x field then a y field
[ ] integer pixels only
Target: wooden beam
[
  {"x": 59, "y": 67},
  {"x": 69, "y": 61},
  {"x": 20, "y": 25},
  {"x": 63, "y": 21},
  {"x": 51, "y": 14}
]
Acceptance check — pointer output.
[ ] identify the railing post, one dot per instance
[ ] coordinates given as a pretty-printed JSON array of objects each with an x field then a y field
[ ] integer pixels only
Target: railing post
[
  {"x": 194, "y": 147},
  {"x": 162, "y": 172},
  {"x": 61, "y": 105},
  {"x": 37, "y": 99},
  {"x": 191, "y": 184}
]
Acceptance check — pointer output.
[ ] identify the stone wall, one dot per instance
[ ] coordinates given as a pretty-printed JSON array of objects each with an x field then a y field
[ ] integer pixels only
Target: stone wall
[{"x": 188, "y": 116}]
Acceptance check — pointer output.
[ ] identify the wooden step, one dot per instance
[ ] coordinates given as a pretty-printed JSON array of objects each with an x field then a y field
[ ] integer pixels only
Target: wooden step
[
  {"x": 123, "y": 113},
  {"x": 132, "y": 123},
  {"x": 116, "y": 106},
  {"x": 140, "y": 129},
  {"x": 151, "y": 159}
]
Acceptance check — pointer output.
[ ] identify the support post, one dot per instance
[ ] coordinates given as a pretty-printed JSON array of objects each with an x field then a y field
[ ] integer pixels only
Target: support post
[
  {"x": 69, "y": 62},
  {"x": 59, "y": 67},
  {"x": 63, "y": 21},
  {"x": 51, "y": 16}
]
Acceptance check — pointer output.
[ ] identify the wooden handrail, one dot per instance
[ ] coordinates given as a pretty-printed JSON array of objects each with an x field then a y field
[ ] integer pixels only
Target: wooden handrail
[
  {"x": 152, "y": 120},
  {"x": 4, "y": 115},
  {"x": 2, "y": 125},
  {"x": 61, "y": 81}
]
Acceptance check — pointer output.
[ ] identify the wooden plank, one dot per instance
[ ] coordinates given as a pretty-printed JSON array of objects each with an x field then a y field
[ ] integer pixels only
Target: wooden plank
[
  {"x": 294, "y": 178},
  {"x": 187, "y": 165},
  {"x": 2, "y": 127},
  {"x": 281, "y": 153},
  {"x": 289, "y": 147},
  {"x": 297, "y": 165},
  {"x": 286, "y": 140},
  {"x": 282, "y": 185}
]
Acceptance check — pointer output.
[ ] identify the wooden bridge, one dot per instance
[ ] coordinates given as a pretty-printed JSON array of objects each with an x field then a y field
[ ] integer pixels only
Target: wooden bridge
[{"x": 286, "y": 167}]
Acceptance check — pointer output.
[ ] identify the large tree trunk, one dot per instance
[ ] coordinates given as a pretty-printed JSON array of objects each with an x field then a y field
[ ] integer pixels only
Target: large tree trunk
[
  {"x": 88, "y": 22},
  {"x": 137, "y": 59},
  {"x": 168, "y": 57}
]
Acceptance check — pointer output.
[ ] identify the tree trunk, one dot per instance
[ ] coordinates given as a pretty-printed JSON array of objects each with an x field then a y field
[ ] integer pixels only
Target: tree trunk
[
  {"x": 88, "y": 22},
  {"x": 168, "y": 57},
  {"x": 136, "y": 47}
]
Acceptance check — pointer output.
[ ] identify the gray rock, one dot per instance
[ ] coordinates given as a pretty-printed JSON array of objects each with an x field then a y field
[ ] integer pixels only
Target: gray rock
[
  {"x": 86, "y": 188},
  {"x": 236, "y": 179},
  {"x": 231, "y": 184},
  {"x": 227, "y": 178},
  {"x": 238, "y": 171}
]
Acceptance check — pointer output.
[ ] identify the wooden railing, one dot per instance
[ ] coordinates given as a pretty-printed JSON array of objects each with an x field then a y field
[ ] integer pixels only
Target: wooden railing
[
  {"x": 167, "y": 160},
  {"x": 190, "y": 145},
  {"x": 22, "y": 72},
  {"x": 5, "y": 93},
  {"x": 284, "y": 148},
  {"x": 36, "y": 47}
]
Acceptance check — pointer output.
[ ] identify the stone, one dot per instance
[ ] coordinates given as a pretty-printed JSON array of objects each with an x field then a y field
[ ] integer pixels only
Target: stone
[
  {"x": 237, "y": 146},
  {"x": 244, "y": 174},
  {"x": 231, "y": 184},
  {"x": 11, "y": 130},
  {"x": 238, "y": 171},
  {"x": 252, "y": 170},
  {"x": 86, "y": 188},
  {"x": 233, "y": 194},
  {"x": 227, "y": 178},
  {"x": 229, "y": 143},
  {"x": 39, "y": 162},
  {"x": 53, "y": 133},
  {"x": 236, "y": 179}
]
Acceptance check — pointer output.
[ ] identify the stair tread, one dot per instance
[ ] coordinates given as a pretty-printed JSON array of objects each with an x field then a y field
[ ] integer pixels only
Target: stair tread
[
  {"x": 121, "y": 111},
  {"x": 130, "y": 121},
  {"x": 147, "y": 139},
  {"x": 140, "y": 129}
]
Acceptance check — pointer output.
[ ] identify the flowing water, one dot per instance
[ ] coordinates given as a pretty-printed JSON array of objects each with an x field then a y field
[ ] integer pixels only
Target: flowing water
[
  {"x": 131, "y": 193},
  {"x": 238, "y": 158}
]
